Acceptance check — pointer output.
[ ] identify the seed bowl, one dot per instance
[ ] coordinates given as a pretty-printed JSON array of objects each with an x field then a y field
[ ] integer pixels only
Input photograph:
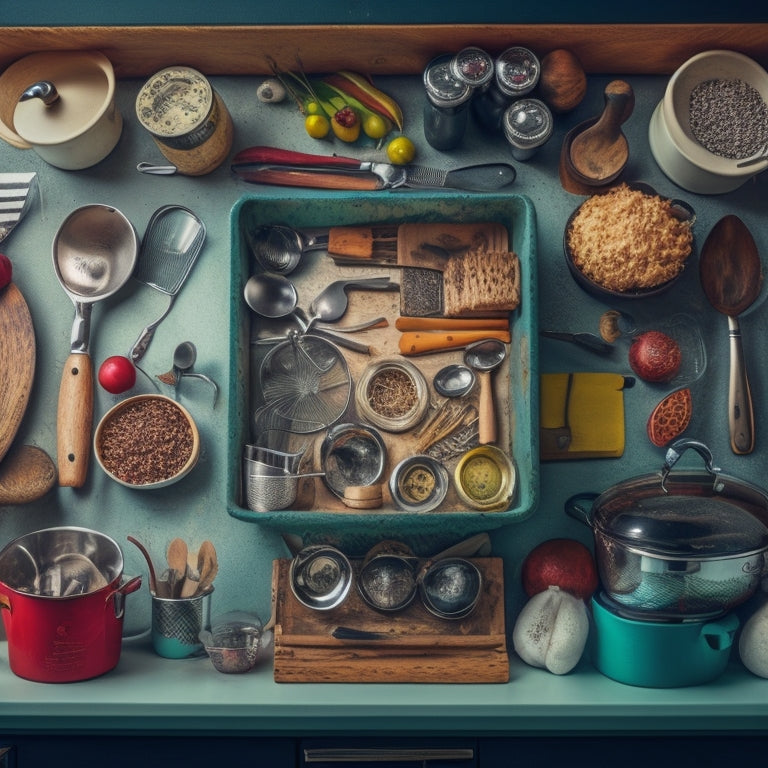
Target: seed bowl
[
  {"x": 147, "y": 441},
  {"x": 682, "y": 156}
]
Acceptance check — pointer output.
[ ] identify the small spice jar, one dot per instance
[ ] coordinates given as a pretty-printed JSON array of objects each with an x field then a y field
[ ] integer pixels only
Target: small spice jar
[
  {"x": 517, "y": 72},
  {"x": 472, "y": 66},
  {"x": 446, "y": 105},
  {"x": 187, "y": 119},
  {"x": 527, "y": 124},
  {"x": 392, "y": 394}
]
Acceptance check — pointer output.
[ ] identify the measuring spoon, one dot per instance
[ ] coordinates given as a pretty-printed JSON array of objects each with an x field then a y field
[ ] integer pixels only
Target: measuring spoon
[
  {"x": 94, "y": 253},
  {"x": 485, "y": 356},
  {"x": 731, "y": 276},
  {"x": 454, "y": 380}
]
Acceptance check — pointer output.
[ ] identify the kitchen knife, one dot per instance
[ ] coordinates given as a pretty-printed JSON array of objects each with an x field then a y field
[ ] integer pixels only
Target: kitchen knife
[{"x": 270, "y": 165}]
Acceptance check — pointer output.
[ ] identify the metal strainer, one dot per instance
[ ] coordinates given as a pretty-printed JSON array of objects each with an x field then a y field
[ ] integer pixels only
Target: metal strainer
[{"x": 306, "y": 386}]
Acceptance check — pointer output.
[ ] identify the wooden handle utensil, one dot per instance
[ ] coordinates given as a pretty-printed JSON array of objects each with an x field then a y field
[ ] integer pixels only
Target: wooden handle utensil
[
  {"x": 451, "y": 324},
  {"x": 418, "y": 343}
]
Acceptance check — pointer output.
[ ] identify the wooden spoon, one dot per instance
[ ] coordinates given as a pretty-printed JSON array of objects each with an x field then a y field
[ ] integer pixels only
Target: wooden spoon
[
  {"x": 731, "y": 276},
  {"x": 601, "y": 151},
  {"x": 177, "y": 563},
  {"x": 207, "y": 565},
  {"x": 26, "y": 474}
]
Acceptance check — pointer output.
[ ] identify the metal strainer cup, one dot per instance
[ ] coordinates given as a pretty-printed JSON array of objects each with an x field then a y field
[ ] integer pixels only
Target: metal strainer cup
[{"x": 177, "y": 624}]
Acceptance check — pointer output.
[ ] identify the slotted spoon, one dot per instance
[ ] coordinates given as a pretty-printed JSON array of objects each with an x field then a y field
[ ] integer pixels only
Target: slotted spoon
[{"x": 171, "y": 245}]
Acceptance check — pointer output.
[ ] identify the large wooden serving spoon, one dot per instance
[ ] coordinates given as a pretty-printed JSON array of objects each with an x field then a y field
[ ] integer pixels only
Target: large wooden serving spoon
[{"x": 731, "y": 276}]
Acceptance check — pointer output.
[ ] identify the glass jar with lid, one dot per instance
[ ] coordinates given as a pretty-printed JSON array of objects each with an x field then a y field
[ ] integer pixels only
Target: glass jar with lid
[
  {"x": 527, "y": 124},
  {"x": 445, "y": 107},
  {"x": 516, "y": 73}
]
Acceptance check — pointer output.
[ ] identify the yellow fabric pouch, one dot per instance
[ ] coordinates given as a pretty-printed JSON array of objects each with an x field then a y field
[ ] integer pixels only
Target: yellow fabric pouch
[{"x": 582, "y": 415}]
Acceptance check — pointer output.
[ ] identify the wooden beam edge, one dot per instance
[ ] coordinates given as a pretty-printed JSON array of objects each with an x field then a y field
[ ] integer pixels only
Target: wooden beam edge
[{"x": 138, "y": 51}]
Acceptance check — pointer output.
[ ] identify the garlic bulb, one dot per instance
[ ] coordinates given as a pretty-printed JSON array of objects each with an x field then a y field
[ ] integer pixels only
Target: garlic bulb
[
  {"x": 551, "y": 631},
  {"x": 271, "y": 91},
  {"x": 753, "y": 642}
]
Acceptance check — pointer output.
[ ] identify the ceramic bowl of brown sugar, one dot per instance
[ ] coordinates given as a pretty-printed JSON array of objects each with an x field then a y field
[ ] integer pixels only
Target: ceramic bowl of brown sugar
[
  {"x": 709, "y": 133},
  {"x": 147, "y": 441}
]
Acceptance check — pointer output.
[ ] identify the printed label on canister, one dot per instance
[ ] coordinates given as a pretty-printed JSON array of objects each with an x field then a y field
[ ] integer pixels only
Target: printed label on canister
[{"x": 187, "y": 119}]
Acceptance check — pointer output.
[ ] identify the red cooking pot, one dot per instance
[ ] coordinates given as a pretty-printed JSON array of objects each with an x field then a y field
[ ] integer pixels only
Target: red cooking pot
[{"x": 62, "y": 599}]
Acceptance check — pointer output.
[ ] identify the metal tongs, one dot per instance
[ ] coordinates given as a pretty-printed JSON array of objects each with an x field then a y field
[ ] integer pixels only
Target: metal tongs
[{"x": 269, "y": 165}]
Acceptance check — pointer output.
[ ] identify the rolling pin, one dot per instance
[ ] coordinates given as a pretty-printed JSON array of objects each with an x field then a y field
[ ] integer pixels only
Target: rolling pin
[{"x": 418, "y": 343}]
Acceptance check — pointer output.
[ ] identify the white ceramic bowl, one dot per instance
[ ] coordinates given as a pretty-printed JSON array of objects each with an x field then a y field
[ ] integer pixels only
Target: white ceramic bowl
[
  {"x": 683, "y": 159},
  {"x": 138, "y": 437}
]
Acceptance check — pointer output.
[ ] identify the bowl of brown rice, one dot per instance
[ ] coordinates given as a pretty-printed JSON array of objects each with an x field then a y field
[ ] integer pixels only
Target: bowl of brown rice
[
  {"x": 147, "y": 441},
  {"x": 628, "y": 242}
]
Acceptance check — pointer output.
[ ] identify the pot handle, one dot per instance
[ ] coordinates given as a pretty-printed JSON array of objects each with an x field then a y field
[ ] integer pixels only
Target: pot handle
[
  {"x": 718, "y": 635},
  {"x": 5, "y": 602},
  {"x": 574, "y": 508},
  {"x": 118, "y": 595},
  {"x": 676, "y": 450}
]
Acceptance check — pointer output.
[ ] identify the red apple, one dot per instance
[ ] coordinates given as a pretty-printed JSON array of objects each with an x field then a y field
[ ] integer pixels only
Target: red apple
[{"x": 564, "y": 563}]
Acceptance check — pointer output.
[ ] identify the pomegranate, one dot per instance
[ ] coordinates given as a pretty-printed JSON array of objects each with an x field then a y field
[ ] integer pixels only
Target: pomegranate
[
  {"x": 564, "y": 563},
  {"x": 654, "y": 356}
]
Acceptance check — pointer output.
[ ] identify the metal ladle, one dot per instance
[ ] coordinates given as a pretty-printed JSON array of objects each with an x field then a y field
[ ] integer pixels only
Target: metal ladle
[
  {"x": 485, "y": 356},
  {"x": 271, "y": 295},
  {"x": 332, "y": 302},
  {"x": 279, "y": 248},
  {"x": 94, "y": 254}
]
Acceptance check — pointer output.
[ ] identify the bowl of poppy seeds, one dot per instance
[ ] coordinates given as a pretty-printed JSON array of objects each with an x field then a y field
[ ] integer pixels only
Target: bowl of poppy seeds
[
  {"x": 147, "y": 441},
  {"x": 709, "y": 133}
]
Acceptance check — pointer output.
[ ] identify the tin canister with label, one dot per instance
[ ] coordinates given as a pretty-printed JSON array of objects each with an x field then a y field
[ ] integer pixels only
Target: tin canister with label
[
  {"x": 187, "y": 119},
  {"x": 527, "y": 124},
  {"x": 445, "y": 108}
]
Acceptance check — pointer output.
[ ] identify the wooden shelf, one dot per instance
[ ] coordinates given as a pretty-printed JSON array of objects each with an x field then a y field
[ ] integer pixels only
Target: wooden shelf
[
  {"x": 383, "y": 48},
  {"x": 417, "y": 647}
]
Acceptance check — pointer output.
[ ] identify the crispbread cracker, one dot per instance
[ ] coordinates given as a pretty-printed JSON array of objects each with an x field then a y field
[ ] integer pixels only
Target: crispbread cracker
[{"x": 481, "y": 282}]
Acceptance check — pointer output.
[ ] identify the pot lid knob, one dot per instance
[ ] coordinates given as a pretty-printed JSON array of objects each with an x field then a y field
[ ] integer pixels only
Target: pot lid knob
[{"x": 44, "y": 90}]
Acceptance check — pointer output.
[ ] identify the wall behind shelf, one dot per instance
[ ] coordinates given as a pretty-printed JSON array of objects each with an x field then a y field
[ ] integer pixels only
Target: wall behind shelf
[{"x": 175, "y": 12}]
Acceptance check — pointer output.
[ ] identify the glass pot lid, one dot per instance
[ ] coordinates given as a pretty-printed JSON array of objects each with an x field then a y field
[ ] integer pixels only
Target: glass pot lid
[{"x": 684, "y": 522}]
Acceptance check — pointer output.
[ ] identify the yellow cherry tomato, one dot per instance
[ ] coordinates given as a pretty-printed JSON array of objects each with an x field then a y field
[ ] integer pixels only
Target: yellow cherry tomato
[
  {"x": 313, "y": 108},
  {"x": 401, "y": 151},
  {"x": 317, "y": 126},
  {"x": 375, "y": 127}
]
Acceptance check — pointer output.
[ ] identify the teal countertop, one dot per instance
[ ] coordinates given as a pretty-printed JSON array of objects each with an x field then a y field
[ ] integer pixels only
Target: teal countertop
[{"x": 148, "y": 693}]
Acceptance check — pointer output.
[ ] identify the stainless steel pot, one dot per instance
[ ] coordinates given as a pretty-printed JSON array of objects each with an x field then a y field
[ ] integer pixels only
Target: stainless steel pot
[{"x": 678, "y": 545}]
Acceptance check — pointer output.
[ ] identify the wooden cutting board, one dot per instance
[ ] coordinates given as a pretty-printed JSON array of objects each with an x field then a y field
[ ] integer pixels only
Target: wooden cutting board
[
  {"x": 429, "y": 245},
  {"x": 17, "y": 362},
  {"x": 415, "y": 647}
]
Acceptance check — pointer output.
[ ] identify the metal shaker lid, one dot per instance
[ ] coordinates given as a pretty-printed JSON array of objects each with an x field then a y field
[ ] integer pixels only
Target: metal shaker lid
[
  {"x": 527, "y": 123},
  {"x": 442, "y": 88},
  {"x": 473, "y": 66},
  {"x": 517, "y": 71}
]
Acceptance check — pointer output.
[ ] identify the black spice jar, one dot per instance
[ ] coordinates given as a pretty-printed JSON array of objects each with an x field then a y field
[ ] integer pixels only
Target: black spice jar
[{"x": 446, "y": 105}]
